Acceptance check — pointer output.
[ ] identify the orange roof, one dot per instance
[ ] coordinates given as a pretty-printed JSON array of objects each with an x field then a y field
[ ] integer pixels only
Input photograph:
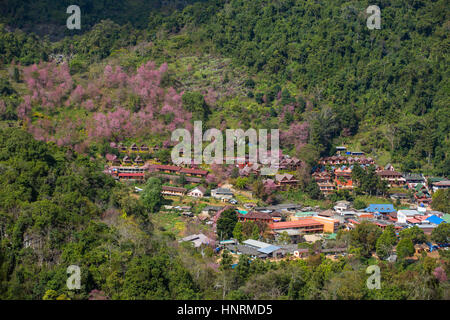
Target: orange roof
[
  {"x": 194, "y": 171},
  {"x": 346, "y": 183},
  {"x": 295, "y": 224},
  {"x": 366, "y": 216}
]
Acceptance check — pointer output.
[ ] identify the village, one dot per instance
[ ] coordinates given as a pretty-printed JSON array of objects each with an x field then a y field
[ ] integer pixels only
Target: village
[{"x": 284, "y": 230}]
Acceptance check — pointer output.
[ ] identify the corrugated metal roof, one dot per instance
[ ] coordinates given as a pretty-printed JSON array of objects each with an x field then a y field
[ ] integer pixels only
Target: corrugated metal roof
[
  {"x": 269, "y": 249},
  {"x": 256, "y": 243},
  {"x": 380, "y": 208}
]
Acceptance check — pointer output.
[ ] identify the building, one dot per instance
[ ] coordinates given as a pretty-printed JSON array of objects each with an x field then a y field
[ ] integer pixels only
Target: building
[
  {"x": 255, "y": 216},
  {"x": 340, "y": 149},
  {"x": 342, "y": 184},
  {"x": 441, "y": 185},
  {"x": 284, "y": 180},
  {"x": 250, "y": 169},
  {"x": 380, "y": 208},
  {"x": 194, "y": 172},
  {"x": 344, "y": 160},
  {"x": 404, "y": 215},
  {"x": 302, "y": 226},
  {"x": 283, "y": 207},
  {"x": 435, "y": 220},
  {"x": 122, "y": 148},
  {"x": 330, "y": 225},
  {"x": 197, "y": 192},
  {"x": 174, "y": 179},
  {"x": 222, "y": 193},
  {"x": 421, "y": 195},
  {"x": 198, "y": 240},
  {"x": 324, "y": 181},
  {"x": 418, "y": 219},
  {"x": 343, "y": 178},
  {"x": 341, "y": 206},
  {"x": 144, "y": 148},
  {"x": 344, "y": 172},
  {"x": 128, "y": 172},
  {"x": 211, "y": 209},
  {"x": 166, "y": 168},
  {"x": 400, "y": 196},
  {"x": 173, "y": 191},
  {"x": 290, "y": 163},
  {"x": 138, "y": 161},
  {"x": 127, "y": 160},
  {"x": 264, "y": 248},
  {"x": 393, "y": 178},
  {"x": 134, "y": 148},
  {"x": 412, "y": 179},
  {"x": 427, "y": 228}
]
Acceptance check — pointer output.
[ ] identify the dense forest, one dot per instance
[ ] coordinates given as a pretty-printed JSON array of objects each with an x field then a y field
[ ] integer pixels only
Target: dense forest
[
  {"x": 383, "y": 91},
  {"x": 139, "y": 69}
]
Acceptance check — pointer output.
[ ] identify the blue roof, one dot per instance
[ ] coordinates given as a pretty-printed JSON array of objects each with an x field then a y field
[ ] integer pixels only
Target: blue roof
[
  {"x": 268, "y": 249},
  {"x": 383, "y": 208},
  {"x": 435, "y": 219}
]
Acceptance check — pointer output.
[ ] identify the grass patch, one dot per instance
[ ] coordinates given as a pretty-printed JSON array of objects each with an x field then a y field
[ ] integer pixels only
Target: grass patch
[{"x": 172, "y": 222}]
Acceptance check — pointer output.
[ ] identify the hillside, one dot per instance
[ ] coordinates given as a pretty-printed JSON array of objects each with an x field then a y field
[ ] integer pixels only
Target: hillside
[
  {"x": 386, "y": 90},
  {"x": 86, "y": 176}
]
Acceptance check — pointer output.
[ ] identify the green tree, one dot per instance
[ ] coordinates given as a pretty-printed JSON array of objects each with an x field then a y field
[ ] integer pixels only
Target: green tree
[
  {"x": 241, "y": 183},
  {"x": 284, "y": 238},
  {"x": 226, "y": 223},
  {"x": 237, "y": 232},
  {"x": 151, "y": 195},
  {"x": 255, "y": 232},
  {"x": 441, "y": 200},
  {"x": 226, "y": 261},
  {"x": 405, "y": 248},
  {"x": 386, "y": 242},
  {"x": 365, "y": 236},
  {"x": 414, "y": 233},
  {"x": 242, "y": 270},
  {"x": 441, "y": 234},
  {"x": 195, "y": 102},
  {"x": 313, "y": 190},
  {"x": 359, "y": 204}
]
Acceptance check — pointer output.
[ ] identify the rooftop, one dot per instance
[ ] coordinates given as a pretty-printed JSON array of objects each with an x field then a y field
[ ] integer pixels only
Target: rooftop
[
  {"x": 295, "y": 224},
  {"x": 256, "y": 243},
  {"x": 269, "y": 249},
  {"x": 383, "y": 208}
]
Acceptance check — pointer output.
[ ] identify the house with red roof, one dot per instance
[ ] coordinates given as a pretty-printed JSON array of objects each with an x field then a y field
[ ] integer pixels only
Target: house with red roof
[
  {"x": 193, "y": 172},
  {"x": 255, "y": 216},
  {"x": 173, "y": 191}
]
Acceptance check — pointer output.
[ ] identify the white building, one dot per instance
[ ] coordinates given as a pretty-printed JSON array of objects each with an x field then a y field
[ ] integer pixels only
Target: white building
[
  {"x": 197, "y": 192},
  {"x": 403, "y": 215},
  {"x": 341, "y": 206},
  {"x": 222, "y": 193}
]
